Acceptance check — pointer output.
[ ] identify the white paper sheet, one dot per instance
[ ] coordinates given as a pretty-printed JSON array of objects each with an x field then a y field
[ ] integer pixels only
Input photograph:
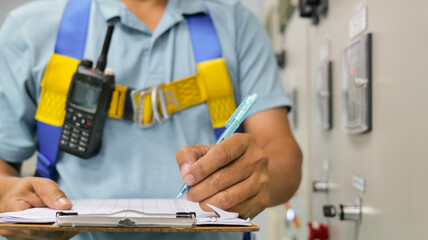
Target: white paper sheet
[{"x": 106, "y": 206}]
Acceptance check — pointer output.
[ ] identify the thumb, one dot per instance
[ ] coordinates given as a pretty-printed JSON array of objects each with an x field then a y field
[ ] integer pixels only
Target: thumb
[
  {"x": 50, "y": 194},
  {"x": 188, "y": 155}
]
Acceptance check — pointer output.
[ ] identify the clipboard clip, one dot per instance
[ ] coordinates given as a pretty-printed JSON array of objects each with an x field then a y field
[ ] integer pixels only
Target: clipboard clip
[
  {"x": 121, "y": 219},
  {"x": 126, "y": 222}
]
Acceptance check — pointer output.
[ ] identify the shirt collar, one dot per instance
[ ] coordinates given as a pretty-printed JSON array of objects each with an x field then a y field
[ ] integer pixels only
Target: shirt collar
[
  {"x": 189, "y": 7},
  {"x": 109, "y": 8},
  {"x": 112, "y": 8}
]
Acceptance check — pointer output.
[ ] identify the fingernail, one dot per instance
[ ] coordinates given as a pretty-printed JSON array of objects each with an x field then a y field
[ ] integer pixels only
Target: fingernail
[
  {"x": 64, "y": 201},
  {"x": 189, "y": 179},
  {"x": 184, "y": 169}
]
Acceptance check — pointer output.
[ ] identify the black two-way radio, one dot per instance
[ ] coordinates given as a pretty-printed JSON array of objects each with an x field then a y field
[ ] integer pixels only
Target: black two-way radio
[{"x": 87, "y": 105}]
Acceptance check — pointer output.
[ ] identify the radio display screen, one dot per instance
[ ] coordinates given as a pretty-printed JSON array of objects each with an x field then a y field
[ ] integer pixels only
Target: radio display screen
[{"x": 85, "y": 96}]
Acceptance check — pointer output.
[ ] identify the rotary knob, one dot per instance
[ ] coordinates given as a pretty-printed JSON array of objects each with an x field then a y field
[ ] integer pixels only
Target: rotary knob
[
  {"x": 329, "y": 211},
  {"x": 86, "y": 63}
]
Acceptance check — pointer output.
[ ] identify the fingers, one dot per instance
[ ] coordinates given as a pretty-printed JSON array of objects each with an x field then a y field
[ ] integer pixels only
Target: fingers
[
  {"x": 233, "y": 175},
  {"x": 251, "y": 207},
  {"x": 50, "y": 194},
  {"x": 33, "y": 192},
  {"x": 18, "y": 205},
  {"x": 24, "y": 193},
  {"x": 238, "y": 193},
  {"x": 20, "y": 196},
  {"x": 186, "y": 156},
  {"x": 219, "y": 181},
  {"x": 217, "y": 157}
]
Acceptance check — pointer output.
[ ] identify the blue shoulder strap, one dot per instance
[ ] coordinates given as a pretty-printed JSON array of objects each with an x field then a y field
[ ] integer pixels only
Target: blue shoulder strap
[
  {"x": 71, "y": 37},
  {"x": 71, "y": 40},
  {"x": 205, "y": 43}
]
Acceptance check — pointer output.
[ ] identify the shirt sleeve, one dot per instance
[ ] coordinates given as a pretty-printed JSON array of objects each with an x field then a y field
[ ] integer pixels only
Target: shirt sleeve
[
  {"x": 17, "y": 101},
  {"x": 257, "y": 66}
]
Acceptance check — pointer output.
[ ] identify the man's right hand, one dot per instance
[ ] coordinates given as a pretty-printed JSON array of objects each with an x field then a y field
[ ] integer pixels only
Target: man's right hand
[{"x": 17, "y": 194}]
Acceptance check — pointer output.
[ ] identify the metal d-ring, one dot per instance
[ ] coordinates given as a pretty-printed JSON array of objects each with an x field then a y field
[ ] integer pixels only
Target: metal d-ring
[
  {"x": 139, "y": 108},
  {"x": 159, "y": 98}
]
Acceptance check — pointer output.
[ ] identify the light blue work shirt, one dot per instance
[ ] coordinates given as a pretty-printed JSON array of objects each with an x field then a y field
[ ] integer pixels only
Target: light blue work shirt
[{"x": 133, "y": 162}]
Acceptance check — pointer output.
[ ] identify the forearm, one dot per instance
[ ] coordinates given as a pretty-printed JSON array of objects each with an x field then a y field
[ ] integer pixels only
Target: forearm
[
  {"x": 273, "y": 135},
  {"x": 8, "y": 175},
  {"x": 7, "y": 169},
  {"x": 285, "y": 169}
]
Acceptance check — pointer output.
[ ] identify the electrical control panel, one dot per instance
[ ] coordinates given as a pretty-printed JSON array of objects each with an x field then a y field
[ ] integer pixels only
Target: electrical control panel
[{"x": 356, "y": 85}]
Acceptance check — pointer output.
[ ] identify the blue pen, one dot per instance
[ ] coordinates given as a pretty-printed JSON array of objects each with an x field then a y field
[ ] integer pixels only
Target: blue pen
[{"x": 232, "y": 124}]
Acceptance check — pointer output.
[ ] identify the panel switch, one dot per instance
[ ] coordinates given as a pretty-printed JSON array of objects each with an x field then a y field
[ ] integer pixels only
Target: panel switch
[
  {"x": 320, "y": 186},
  {"x": 351, "y": 212}
]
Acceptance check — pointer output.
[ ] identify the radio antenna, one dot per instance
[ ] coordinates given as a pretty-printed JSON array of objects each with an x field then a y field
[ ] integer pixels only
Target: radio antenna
[{"x": 102, "y": 60}]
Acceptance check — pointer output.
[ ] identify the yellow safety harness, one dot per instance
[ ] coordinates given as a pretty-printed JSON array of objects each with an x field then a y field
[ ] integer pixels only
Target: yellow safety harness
[{"x": 210, "y": 85}]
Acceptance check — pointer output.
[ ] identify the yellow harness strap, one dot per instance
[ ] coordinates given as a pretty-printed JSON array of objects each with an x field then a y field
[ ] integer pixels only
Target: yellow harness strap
[
  {"x": 55, "y": 84},
  {"x": 211, "y": 84}
]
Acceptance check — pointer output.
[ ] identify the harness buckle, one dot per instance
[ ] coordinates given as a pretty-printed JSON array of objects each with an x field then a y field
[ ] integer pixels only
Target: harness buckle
[
  {"x": 157, "y": 101},
  {"x": 139, "y": 107}
]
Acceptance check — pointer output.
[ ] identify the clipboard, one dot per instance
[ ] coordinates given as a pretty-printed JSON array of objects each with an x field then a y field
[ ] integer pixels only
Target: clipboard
[
  {"x": 147, "y": 220},
  {"x": 181, "y": 222},
  {"x": 124, "y": 215}
]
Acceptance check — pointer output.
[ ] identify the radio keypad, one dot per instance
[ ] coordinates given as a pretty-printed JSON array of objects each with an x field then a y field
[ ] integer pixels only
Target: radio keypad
[{"x": 75, "y": 133}]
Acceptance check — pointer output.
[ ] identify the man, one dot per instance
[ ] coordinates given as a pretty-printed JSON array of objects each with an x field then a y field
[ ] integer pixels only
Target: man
[{"x": 245, "y": 173}]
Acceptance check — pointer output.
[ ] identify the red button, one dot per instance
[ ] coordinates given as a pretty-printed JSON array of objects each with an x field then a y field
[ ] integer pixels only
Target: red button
[{"x": 317, "y": 231}]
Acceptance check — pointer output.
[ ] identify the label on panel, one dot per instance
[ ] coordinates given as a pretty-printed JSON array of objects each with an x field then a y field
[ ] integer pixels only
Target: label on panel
[
  {"x": 358, "y": 22},
  {"x": 359, "y": 183}
]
